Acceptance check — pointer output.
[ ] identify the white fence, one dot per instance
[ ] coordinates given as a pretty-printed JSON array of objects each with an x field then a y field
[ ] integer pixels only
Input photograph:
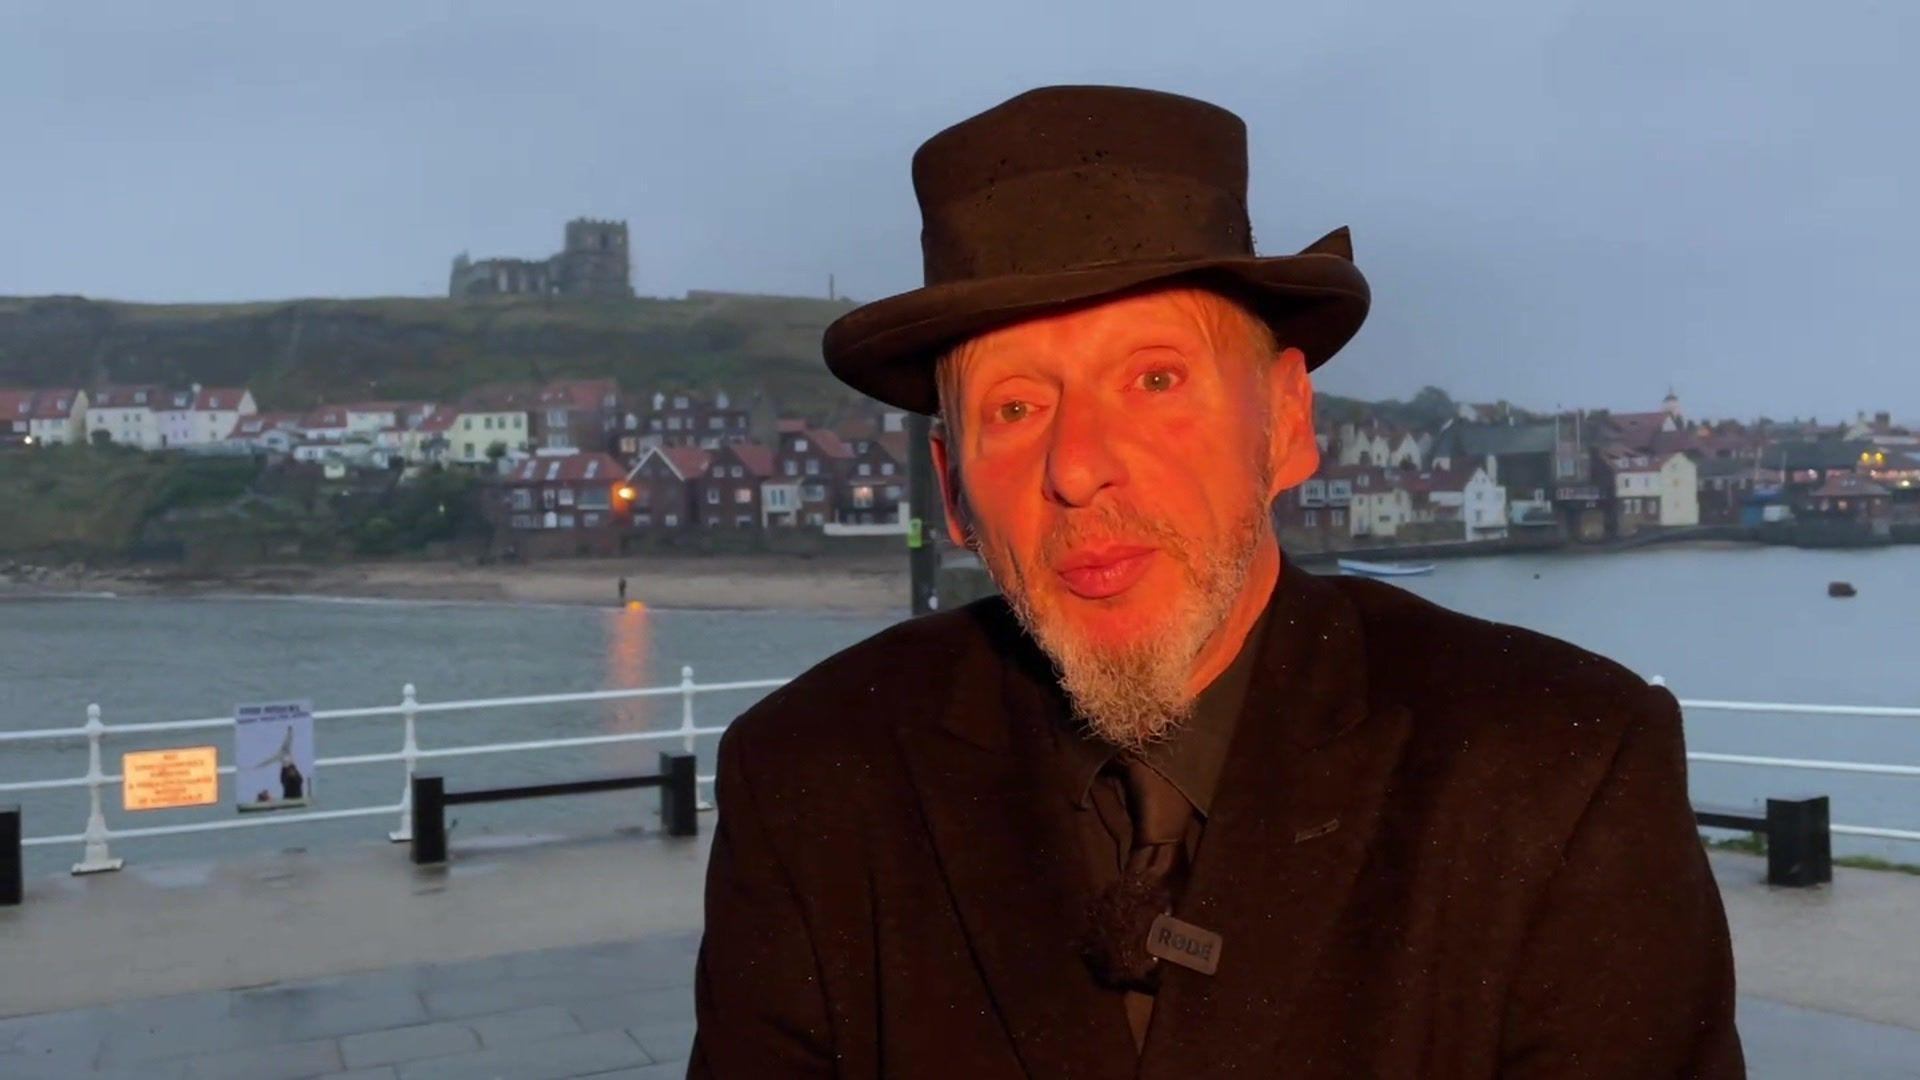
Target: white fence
[{"x": 96, "y": 838}]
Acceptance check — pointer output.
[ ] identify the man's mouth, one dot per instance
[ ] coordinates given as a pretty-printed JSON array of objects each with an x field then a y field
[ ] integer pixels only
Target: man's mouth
[{"x": 1096, "y": 574}]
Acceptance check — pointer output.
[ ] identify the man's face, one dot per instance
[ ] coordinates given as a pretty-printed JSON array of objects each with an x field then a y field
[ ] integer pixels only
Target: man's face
[{"x": 1147, "y": 422}]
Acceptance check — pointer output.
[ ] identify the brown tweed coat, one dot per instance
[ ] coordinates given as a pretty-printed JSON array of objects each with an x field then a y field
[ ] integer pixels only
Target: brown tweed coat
[{"x": 1442, "y": 847}]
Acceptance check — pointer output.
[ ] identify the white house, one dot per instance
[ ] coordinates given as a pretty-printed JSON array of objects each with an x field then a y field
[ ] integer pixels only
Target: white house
[
  {"x": 471, "y": 435},
  {"x": 59, "y": 416},
  {"x": 126, "y": 414},
  {"x": 215, "y": 410},
  {"x": 328, "y": 423},
  {"x": 1672, "y": 478}
]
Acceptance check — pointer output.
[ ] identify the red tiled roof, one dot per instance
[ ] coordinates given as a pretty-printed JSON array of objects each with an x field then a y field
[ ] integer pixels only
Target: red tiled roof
[
  {"x": 16, "y": 404},
  {"x": 830, "y": 443},
  {"x": 224, "y": 398},
  {"x": 56, "y": 404},
  {"x": 686, "y": 462},
  {"x": 258, "y": 423},
  {"x": 757, "y": 458},
  {"x": 578, "y": 393},
  {"x": 789, "y": 424},
  {"x": 895, "y": 444},
  {"x": 327, "y": 416},
  {"x": 573, "y": 468},
  {"x": 122, "y": 397},
  {"x": 440, "y": 420}
]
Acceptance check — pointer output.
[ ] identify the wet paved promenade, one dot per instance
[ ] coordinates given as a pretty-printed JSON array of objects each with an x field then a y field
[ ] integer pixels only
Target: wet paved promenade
[{"x": 556, "y": 957}]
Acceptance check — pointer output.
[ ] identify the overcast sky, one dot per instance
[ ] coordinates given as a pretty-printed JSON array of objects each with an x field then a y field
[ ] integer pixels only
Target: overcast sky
[{"x": 1556, "y": 203}]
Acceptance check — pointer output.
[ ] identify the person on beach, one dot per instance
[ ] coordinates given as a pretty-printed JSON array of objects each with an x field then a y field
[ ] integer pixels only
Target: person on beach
[
  {"x": 623, "y": 588},
  {"x": 1169, "y": 806}
]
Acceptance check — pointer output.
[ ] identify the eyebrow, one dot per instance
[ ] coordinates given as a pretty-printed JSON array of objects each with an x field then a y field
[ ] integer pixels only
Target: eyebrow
[{"x": 1156, "y": 336}]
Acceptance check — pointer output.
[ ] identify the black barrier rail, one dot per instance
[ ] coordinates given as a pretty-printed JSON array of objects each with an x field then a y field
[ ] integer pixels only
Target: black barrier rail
[
  {"x": 1799, "y": 841},
  {"x": 431, "y": 798},
  {"x": 10, "y": 856}
]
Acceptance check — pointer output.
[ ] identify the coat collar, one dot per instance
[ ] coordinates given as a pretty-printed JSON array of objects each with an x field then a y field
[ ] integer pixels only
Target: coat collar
[{"x": 1312, "y": 747}]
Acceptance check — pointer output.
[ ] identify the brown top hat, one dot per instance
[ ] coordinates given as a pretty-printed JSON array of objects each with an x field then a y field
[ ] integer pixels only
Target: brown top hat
[{"x": 1069, "y": 194}]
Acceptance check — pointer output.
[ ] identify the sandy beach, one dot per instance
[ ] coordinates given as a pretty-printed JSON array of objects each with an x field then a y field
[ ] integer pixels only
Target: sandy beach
[{"x": 833, "y": 583}]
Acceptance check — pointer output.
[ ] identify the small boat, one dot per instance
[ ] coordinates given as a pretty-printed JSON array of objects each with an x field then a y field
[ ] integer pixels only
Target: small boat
[
  {"x": 1840, "y": 588},
  {"x": 1380, "y": 569}
]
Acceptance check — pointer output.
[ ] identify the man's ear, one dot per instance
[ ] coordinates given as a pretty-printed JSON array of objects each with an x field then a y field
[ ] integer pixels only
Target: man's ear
[
  {"x": 1295, "y": 452},
  {"x": 949, "y": 493}
]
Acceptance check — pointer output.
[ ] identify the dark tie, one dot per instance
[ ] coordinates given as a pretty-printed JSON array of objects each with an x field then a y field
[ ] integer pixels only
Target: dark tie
[{"x": 1118, "y": 918}]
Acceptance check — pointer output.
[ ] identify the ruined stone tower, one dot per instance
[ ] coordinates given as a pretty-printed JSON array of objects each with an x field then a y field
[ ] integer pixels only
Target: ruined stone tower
[{"x": 593, "y": 263}]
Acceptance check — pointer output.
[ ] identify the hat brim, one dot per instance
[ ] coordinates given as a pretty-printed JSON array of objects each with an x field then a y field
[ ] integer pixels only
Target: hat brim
[{"x": 1314, "y": 301}]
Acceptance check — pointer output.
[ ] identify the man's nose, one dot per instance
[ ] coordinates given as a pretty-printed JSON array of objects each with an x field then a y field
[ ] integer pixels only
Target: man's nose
[{"x": 1080, "y": 453}]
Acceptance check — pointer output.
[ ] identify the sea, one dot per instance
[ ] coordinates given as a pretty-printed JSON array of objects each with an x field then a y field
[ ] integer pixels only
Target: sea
[{"x": 1748, "y": 623}]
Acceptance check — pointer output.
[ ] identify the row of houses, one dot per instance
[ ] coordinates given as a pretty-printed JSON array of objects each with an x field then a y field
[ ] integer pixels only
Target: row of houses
[
  {"x": 148, "y": 417},
  {"x": 589, "y": 502},
  {"x": 1497, "y": 472}
]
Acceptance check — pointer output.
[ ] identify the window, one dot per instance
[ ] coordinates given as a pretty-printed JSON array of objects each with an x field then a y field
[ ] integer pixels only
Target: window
[
  {"x": 864, "y": 469},
  {"x": 1337, "y": 517},
  {"x": 813, "y": 492},
  {"x": 738, "y": 472},
  {"x": 800, "y": 446},
  {"x": 566, "y": 496},
  {"x": 522, "y": 499},
  {"x": 556, "y": 418},
  {"x": 547, "y": 498},
  {"x": 893, "y": 492},
  {"x": 813, "y": 466},
  {"x": 743, "y": 496},
  {"x": 671, "y": 520},
  {"x": 1310, "y": 518},
  {"x": 469, "y": 450},
  {"x": 566, "y": 521},
  {"x": 714, "y": 422},
  {"x": 717, "y": 470},
  {"x": 743, "y": 521},
  {"x": 595, "y": 498},
  {"x": 713, "y": 496},
  {"x": 886, "y": 468},
  {"x": 816, "y": 519},
  {"x": 641, "y": 517},
  {"x": 466, "y": 423},
  {"x": 590, "y": 520},
  {"x": 523, "y": 521},
  {"x": 790, "y": 467}
]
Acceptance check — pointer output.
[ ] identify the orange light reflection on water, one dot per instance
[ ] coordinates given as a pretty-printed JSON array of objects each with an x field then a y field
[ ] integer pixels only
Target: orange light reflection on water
[{"x": 629, "y": 644}]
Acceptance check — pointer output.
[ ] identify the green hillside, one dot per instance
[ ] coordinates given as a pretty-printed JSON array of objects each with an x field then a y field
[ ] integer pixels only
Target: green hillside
[{"x": 303, "y": 352}]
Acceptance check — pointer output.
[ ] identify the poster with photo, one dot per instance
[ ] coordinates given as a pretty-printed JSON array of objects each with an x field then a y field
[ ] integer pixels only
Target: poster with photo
[{"x": 273, "y": 755}]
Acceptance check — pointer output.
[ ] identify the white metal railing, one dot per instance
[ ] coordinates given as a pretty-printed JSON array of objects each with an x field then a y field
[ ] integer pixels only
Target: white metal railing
[{"x": 96, "y": 837}]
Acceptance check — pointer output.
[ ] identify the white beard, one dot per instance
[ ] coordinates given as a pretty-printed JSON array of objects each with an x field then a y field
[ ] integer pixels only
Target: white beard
[{"x": 1135, "y": 694}]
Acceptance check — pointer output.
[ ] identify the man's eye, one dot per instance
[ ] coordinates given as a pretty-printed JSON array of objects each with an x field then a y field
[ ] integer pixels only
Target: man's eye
[
  {"x": 1169, "y": 376},
  {"x": 1001, "y": 412}
]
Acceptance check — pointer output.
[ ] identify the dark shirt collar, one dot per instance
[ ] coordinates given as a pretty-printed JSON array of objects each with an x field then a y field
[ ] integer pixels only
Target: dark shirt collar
[{"x": 1193, "y": 757}]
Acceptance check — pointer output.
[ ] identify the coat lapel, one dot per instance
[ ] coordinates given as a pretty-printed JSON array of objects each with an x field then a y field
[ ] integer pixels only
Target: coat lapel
[
  {"x": 1003, "y": 831},
  {"x": 1296, "y": 810}
]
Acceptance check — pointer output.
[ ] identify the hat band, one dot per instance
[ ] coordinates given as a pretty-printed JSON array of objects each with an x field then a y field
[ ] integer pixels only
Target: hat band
[{"x": 1066, "y": 219}]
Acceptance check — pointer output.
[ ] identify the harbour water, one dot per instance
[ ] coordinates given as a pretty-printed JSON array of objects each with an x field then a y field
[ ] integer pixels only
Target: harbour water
[{"x": 1750, "y": 624}]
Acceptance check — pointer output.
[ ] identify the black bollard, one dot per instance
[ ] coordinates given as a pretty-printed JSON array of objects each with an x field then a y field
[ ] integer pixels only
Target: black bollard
[
  {"x": 11, "y": 855},
  {"x": 1799, "y": 843},
  {"x": 678, "y": 798},
  {"x": 429, "y": 820}
]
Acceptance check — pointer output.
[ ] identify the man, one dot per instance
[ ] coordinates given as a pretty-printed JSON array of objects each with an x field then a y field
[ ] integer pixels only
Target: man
[{"x": 1170, "y": 806}]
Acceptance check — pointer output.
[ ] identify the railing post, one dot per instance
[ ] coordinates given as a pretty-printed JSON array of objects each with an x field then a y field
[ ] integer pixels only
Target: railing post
[
  {"x": 11, "y": 857},
  {"x": 430, "y": 820},
  {"x": 677, "y": 814},
  {"x": 686, "y": 707},
  {"x": 96, "y": 858},
  {"x": 1799, "y": 842},
  {"x": 409, "y": 755},
  {"x": 686, "y": 726}
]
